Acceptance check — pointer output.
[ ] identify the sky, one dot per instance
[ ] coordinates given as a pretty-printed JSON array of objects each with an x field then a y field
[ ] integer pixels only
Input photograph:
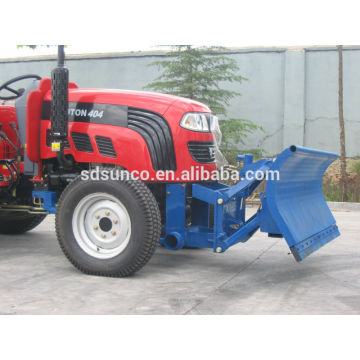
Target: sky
[
  {"x": 12, "y": 51},
  {"x": 139, "y": 25}
]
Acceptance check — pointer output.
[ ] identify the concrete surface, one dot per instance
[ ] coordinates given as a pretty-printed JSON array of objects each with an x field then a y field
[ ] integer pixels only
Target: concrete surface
[
  {"x": 344, "y": 206},
  {"x": 258, "y": 277},
  {"x": 291, "y": 92}
]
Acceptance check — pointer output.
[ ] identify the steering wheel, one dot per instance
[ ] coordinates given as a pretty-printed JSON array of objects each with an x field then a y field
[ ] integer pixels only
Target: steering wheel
[{"x": 17, "y": 93}]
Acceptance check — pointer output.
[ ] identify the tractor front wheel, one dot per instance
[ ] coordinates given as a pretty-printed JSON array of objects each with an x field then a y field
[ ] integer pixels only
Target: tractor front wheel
[{"x": 108, "y": 228}]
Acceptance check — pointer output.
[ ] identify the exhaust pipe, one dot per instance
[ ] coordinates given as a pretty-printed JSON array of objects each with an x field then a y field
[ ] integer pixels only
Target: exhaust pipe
[{"x": 59, "y": 109}]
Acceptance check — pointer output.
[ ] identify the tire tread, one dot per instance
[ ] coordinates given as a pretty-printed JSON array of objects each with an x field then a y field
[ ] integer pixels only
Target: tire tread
[
  {"x": 20, "y": 226},
  {"x": 153, "y": 229}
]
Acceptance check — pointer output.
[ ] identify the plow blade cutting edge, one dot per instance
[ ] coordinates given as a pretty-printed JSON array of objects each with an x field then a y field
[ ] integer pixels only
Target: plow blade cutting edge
[{"x": 294, "y": 206}]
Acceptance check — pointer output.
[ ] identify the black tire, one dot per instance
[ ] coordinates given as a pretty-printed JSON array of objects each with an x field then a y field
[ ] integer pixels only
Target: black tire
[
  {"x": 143, "y": 212},
  {"x": 19, "y": 222}
]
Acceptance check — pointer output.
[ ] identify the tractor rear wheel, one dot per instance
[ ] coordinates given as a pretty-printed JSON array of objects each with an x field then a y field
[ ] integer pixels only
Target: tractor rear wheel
[
  {"x": 18, "y": 222},
  {"x": 108, "y": 228}
]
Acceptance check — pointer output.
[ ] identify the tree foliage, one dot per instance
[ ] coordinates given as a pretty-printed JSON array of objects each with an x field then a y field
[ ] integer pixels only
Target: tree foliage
[
  {"x": 200, "y": 74},
  {"x": 235, "y": 130}
]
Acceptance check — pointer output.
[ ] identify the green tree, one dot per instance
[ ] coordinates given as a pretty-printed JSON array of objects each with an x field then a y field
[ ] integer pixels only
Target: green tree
[{"x": 199, "y": 74}]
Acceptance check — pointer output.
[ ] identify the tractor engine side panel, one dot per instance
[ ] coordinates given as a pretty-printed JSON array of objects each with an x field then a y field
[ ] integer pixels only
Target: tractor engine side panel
[
  {"x": 140, "y": 132},
  {"x": 85, "y": 145}
]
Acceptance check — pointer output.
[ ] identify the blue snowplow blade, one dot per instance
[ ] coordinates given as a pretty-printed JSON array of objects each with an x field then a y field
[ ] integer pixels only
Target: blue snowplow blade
[{"x": 294, "y": 206}]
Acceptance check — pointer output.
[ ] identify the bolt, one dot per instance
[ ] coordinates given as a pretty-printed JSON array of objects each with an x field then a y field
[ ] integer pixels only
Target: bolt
[
  {"x": 113, "y": 232},
  {"x": 116, "y": 221},
  {"x": 103, "y": 236},
  {"x": 97, "y": 216},
  {"x": 220, "y": 201},
  {"x": 96, "y": 227},
  {"x": 219, "y": 249},
  {"x": 107, "y": 212}
]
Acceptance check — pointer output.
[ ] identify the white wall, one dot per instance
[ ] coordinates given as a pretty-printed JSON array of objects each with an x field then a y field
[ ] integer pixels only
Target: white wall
[{"x": 291, "y": 93}]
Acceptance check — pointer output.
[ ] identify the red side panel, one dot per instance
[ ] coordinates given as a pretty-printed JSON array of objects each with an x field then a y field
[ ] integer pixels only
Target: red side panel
[
  {"x": 33, "y": 115},
  {"x": 45, "y": 85},
  {"x": 131, "y": 149}
]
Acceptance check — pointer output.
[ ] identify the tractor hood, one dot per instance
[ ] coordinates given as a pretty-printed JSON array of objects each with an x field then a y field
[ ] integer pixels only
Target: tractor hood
[{"x": 156, "y": 102}]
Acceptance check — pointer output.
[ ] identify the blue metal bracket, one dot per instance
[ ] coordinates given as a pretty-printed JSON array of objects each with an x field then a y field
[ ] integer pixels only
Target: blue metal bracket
[
  {"x": 217, "y": 212},
  {"x": 175, "y": 217},
  {"x": 246, "y": 158},
  {"x": 293, "y": 207},
  {"x": 48, "y": 200}
]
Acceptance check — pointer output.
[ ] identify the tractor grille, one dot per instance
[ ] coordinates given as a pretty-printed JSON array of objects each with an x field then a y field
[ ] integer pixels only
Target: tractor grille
[
  {"x": 202, "y": 151},
  {"x": 157, "y": 134},
  {"x": 81, "y": 141},
  {"x": 105, "y": 146}
]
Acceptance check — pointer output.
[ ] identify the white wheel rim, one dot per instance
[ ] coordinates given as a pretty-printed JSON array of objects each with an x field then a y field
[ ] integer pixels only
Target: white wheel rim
[{"x": 101, "y": 225}]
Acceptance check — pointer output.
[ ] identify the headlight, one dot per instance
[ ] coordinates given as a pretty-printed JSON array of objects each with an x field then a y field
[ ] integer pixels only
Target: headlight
[
  {"x": 199, "y": 122},
  {"x": 214, "y": 123},
  {"x": 195, "y": 122}
]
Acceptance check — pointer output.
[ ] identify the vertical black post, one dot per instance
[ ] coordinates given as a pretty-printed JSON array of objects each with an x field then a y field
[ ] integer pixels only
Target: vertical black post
[
  {"x": 61, "y": 56},
  {"x": 59, "y": 107}
]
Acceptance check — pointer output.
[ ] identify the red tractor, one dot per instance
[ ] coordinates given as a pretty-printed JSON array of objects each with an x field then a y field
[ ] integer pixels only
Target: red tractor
[{"x": 56, "y": 137}]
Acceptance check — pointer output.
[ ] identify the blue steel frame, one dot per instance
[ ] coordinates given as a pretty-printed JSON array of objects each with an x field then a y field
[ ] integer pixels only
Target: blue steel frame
[
  {"x": 218, "y": 212},
  {"x": 293, "y": 207},
  {"x": 48, "y": 200}
]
